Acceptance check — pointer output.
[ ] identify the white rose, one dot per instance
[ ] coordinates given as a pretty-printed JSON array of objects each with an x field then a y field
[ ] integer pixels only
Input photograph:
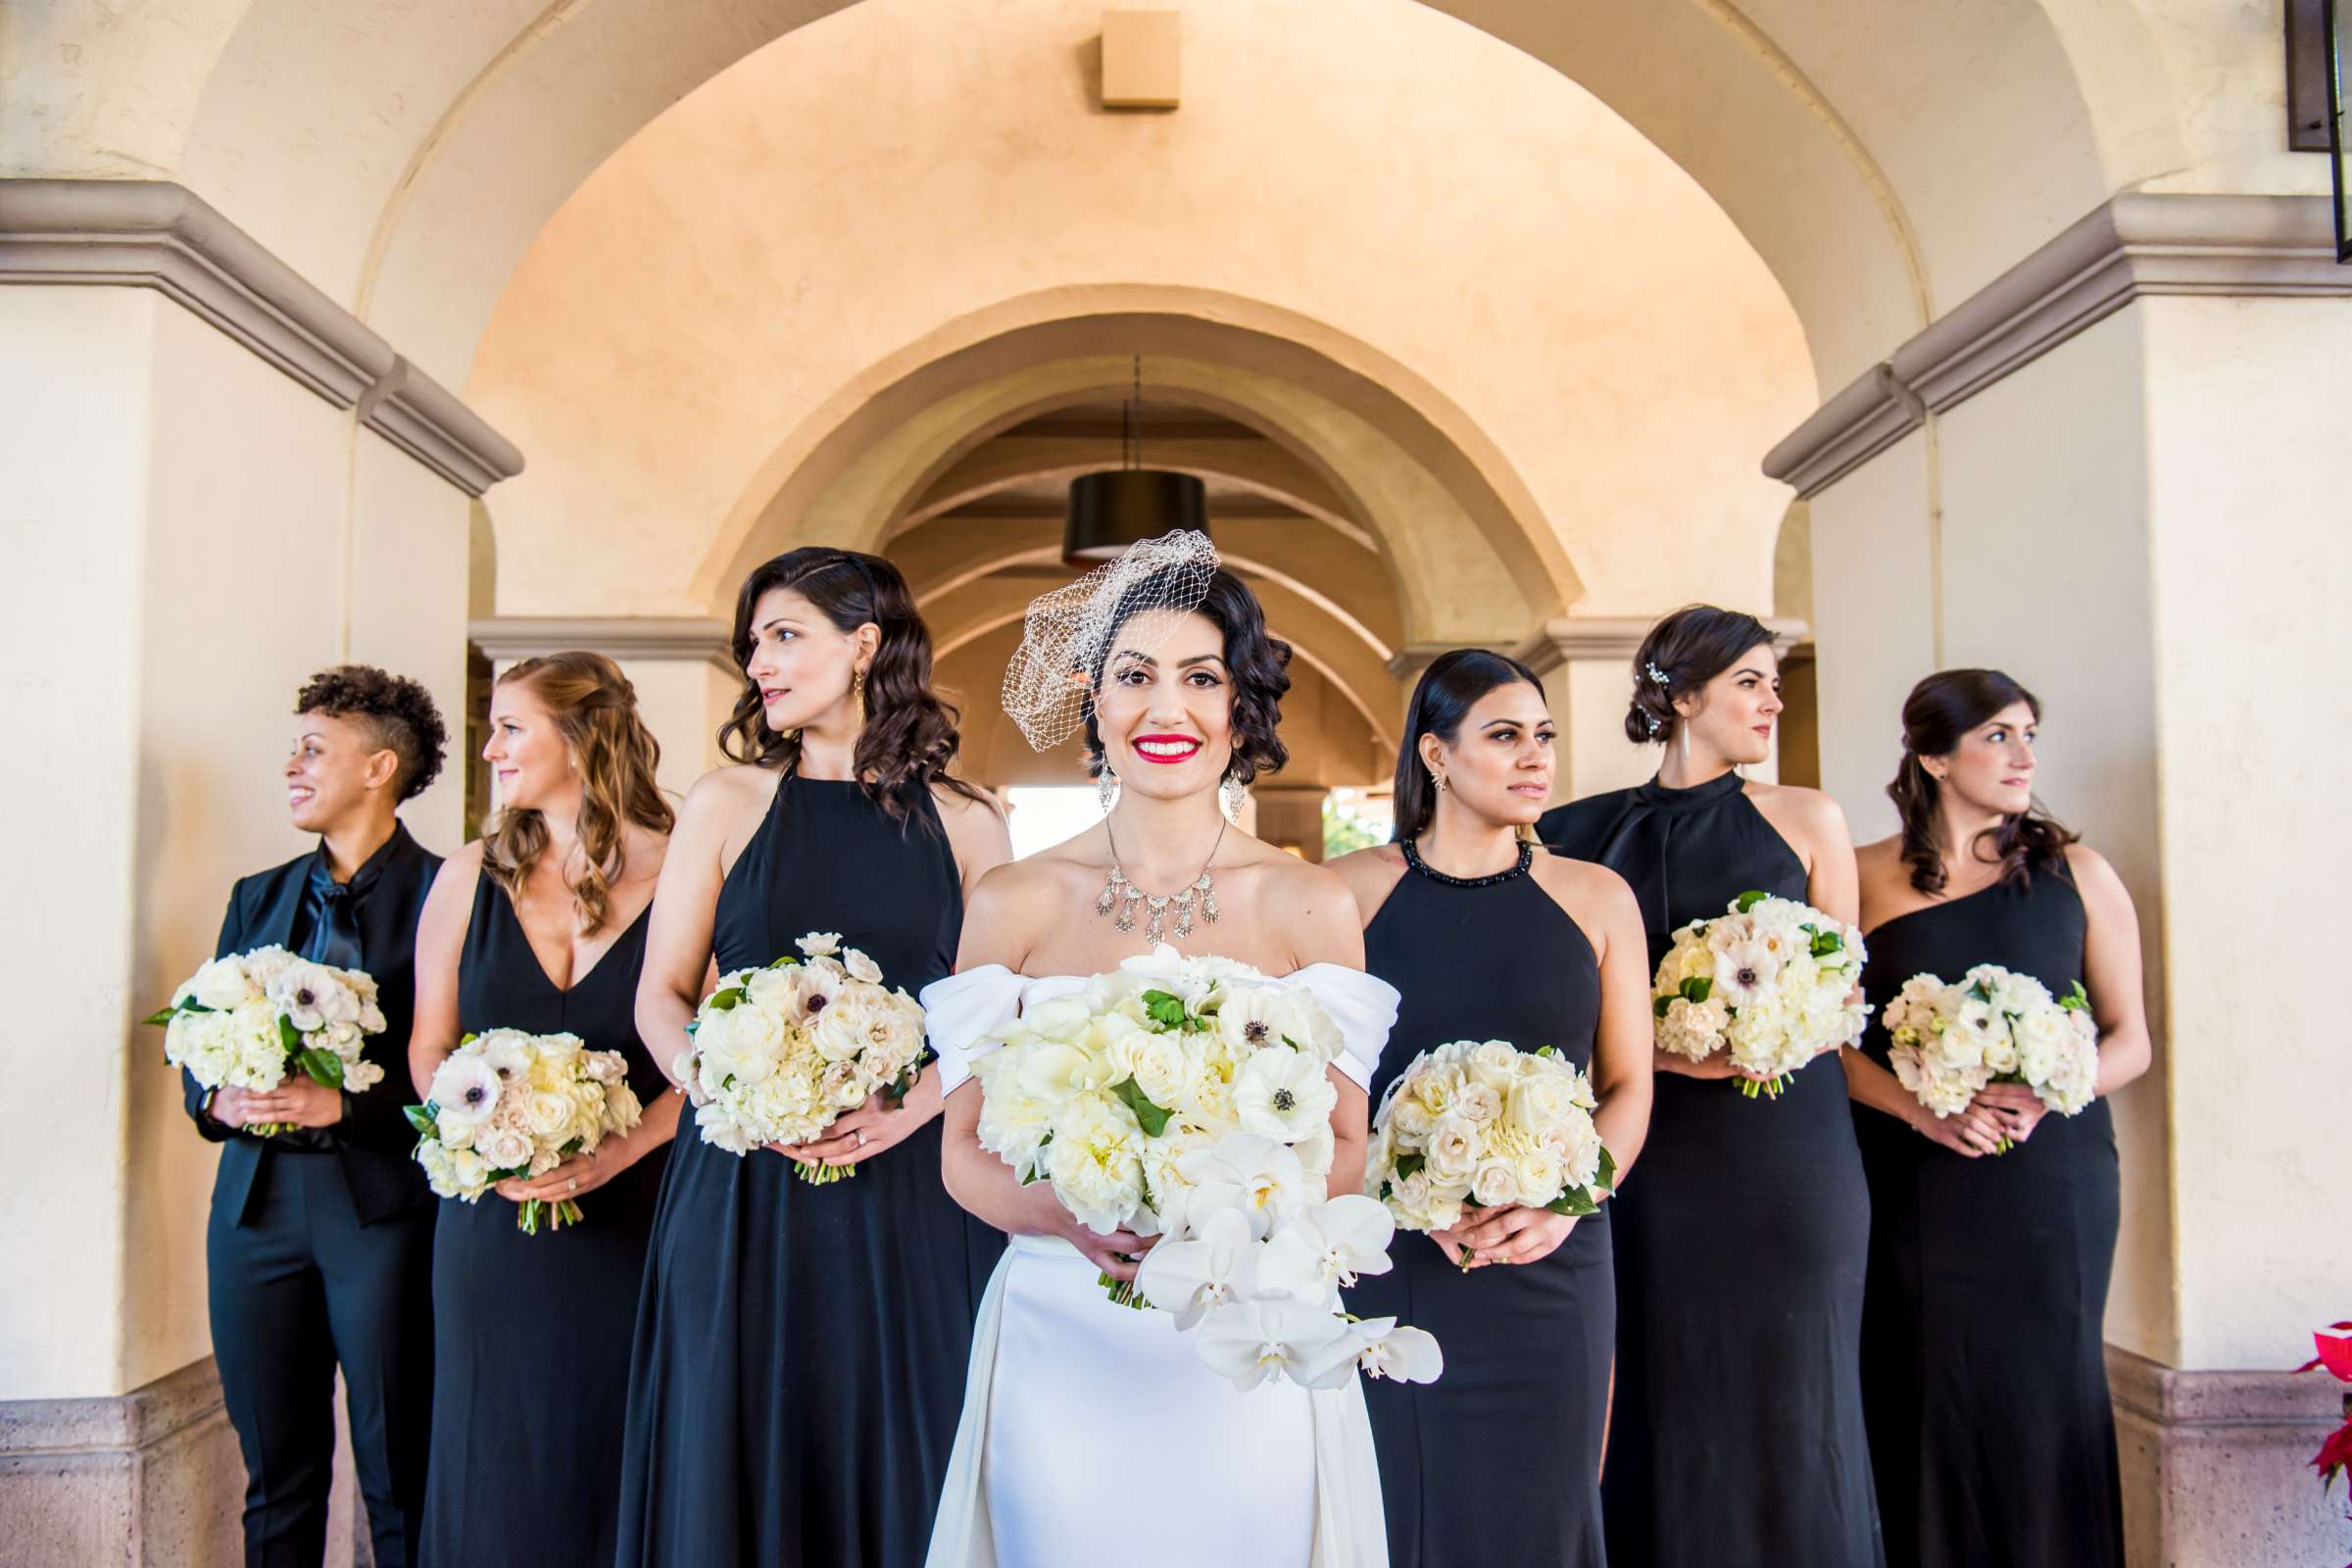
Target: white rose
[
  {"x": 549, "y": 1114},
  {"x": 218, "y": 985},
  {"x": 1494, "y": 1184},
  {"x": 1493, "y": 1064},
  {"x": 1538, "y": 1175},
  {"x": 819, "y": 943},
  {"x": 860, "y": 967},
  {"x": 1158, "y": 1064},
  {"x": 469, "y": 1170},
  {"x": 1537, "y": 1103},
  {"x": 1451, "y": 1149}
]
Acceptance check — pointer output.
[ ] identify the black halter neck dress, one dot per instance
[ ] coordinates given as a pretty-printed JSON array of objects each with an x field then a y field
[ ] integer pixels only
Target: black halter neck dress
[
  {"x": 1736, "y": 1436},
  {"x": 1527, "y": 1348},
  {"x": 801, "y": 1350}
]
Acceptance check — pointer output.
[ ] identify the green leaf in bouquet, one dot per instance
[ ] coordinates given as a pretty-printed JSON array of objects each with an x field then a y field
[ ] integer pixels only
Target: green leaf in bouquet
[
  {"x": 289, "y": 1036},
  {"x": 323, "y": 1065},
  {"x": 1826, "y": 942},
  {"x": 1659, "y": 1005},
  {"x": 1409, "y": 1165},
  {"x": 1979, "y": 990},
  {"x": 1545, "y": 1052},
  {"x": 425, "y": 1118},
  {"x": 788, "y": 962},
  {"x": 2075, "y": 999},
  {"x": 725, "y": 1000},
  {"x": 1607, "y": 1180},
  {"x": 1698, "y": 989},
  {"x": 468, "y": 1038},
  {"x": 1293, "y": 1044},
  {"x": 1164, "y": 1009},
  {"x": 1750, "y": 899},
  {"x": 1154, "y": 1118},
  {"x": 898, "y": 1089},
  {"x": 1573, "y": 1203},
  {"x": 163, "y": 1017},
  {"x": 728, "y": 1081}
]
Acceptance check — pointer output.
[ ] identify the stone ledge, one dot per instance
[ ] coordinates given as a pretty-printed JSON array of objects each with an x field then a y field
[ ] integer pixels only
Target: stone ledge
[
  {"x": 2134, "y": 245},
  {"x": 136, "y": 1420},
  {"x": 160, "y": 235},
  {"x": 694, "y": 638}
]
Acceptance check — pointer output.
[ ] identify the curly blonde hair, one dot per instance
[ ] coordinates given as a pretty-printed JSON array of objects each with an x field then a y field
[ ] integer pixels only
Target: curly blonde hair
[{"x": 594, "y": 709}]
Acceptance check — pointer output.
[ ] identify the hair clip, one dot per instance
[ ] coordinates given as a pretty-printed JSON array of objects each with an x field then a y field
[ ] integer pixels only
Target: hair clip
[
  {"x": 1653, "y": 720},
  {"x": 1651, "y": 670}
]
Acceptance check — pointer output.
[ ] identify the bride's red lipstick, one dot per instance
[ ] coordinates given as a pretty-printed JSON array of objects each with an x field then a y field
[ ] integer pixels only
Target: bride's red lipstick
[{"x": 1178, "y": 748}]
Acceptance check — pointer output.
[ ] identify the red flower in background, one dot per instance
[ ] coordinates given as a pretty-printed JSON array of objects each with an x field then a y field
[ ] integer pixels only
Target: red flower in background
[{"x": 2335, "y": 1455}]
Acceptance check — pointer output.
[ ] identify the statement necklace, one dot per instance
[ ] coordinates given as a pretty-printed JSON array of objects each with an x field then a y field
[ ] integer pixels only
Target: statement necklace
[{"x": 1122, "y": 895}]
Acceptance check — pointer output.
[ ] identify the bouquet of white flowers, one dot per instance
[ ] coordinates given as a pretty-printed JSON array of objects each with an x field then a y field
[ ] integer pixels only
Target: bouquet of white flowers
[
  {"x": 780, "y": 1051},
  {"x": 244, "y": 1021},
  {"x": 1187, "y": 1097},
  {"x": 1483, "y": 1124},
  {"x": 1949, "y": 1040},
  {"x": 507, "y": 1103},
  {"x": 1770, "y": 980}
]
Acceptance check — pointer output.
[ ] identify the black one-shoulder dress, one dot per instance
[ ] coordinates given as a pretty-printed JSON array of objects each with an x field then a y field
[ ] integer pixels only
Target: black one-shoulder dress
[
  {"x": 1982, "y": 1346},
  {"x": 1735, "y": 1433},
  {"x": 1527, "y": 1348},
  {"x": 802, "y": 1350},
  {"x": 534, "y": 1332}
]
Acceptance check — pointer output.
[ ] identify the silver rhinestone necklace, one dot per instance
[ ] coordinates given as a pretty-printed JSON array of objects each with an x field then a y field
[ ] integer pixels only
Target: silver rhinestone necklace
[{"x": 1119, "y": 897}]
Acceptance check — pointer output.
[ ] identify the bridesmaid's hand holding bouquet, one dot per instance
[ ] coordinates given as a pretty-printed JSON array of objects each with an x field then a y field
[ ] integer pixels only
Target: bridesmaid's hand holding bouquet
[
  {"x": 1769, "y": 983},
  {"x": 1952, "y": 1041},
  {"x": 252, "y": 1019}
]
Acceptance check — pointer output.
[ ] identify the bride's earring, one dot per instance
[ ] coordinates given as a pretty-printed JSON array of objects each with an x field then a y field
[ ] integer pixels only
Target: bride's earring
[
  {"x": 1233, "y": 793},
  {"x": 1107, "y": 788}
]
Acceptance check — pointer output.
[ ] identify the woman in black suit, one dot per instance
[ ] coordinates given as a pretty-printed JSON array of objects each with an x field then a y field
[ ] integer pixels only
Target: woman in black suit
[{"x": 320, "y": 1241}]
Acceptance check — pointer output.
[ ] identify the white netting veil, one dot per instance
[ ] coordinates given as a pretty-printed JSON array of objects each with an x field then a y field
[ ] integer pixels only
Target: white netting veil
[{"x": 1051, "y": 676}]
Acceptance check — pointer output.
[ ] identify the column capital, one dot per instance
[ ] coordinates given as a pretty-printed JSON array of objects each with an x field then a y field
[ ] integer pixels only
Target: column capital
[{"x": 697, "y": 639}]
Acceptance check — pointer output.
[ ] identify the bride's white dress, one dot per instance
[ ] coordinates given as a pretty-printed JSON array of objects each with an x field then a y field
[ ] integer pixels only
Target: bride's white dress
[{"x": 1094, "y": 1433}]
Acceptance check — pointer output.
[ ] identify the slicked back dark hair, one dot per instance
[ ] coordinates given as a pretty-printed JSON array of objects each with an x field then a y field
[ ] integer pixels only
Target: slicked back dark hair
[
  {"x": 1453, "y": 684},
  {"x": 396, "y": 709}
]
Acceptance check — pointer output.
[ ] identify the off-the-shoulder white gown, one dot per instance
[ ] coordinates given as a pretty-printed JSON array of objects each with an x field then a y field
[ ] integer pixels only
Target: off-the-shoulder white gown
[{"x": 1093, "y": 1433}]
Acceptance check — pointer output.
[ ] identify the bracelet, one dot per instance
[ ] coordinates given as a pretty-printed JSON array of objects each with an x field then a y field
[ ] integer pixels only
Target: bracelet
[{"x": 203, "y": 1107}]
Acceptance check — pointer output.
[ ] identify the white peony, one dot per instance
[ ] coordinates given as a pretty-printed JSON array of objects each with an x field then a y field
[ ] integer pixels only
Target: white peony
[{"x": 1096, "y": 1160}]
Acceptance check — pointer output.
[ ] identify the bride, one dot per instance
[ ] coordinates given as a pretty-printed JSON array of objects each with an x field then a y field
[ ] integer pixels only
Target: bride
[{"x": 1073, "y": 1402}]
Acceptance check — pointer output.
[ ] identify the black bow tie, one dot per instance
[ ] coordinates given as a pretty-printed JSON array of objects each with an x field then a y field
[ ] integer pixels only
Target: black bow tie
[{"x": 335, "y": 935}]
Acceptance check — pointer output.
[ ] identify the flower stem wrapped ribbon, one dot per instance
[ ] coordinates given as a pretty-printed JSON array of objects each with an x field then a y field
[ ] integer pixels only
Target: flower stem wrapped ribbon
[
  {"x": 781, "y": 1052},
  {"x": 1189, "y": 1098},
  {"x": 1482, "y": 1124},
  {"x": 1948, "y": 1039},
  {"x": 1769, "y": 982},
  {"x": 247, "y": 1020},
  {"x": 509, "y": 1104}
]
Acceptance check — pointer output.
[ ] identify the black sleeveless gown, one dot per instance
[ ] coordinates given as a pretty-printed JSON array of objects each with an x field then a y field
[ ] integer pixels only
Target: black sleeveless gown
[
  {"x": 1527, "y": 1348},
  {"x": 1981, "y": 1331},
  {"x": 802, "y": 1350},
  {"x": 1735, "y": 1433},
  {"x": 533, "y": 1333}
]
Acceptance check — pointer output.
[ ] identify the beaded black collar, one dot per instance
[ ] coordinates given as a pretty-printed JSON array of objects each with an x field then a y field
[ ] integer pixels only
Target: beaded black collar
[{"x": 1412, "y": 858}]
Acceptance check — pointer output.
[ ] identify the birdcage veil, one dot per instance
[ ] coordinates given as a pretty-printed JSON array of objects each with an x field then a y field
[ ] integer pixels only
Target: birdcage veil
[{"x": 1052, "y": 678}]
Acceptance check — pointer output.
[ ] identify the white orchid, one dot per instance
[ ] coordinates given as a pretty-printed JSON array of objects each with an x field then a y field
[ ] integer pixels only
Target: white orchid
[
  {"x": 1251, "y": 1174},
  {"x": 1217, "y": 1267},
  {"x": 1326, "y": 1248},
  {"x": 1405, "y": 1354},
  {"x": 1252, "y": 1340}
]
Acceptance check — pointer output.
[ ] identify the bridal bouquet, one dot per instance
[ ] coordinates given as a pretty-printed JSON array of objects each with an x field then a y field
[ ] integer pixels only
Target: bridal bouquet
[
  {"x": 780, "y": 1051},
  {"x": 1484, "y": 1125},
  {"x": 507, "y": 1103},
  {"x": 1949, "y": 1040},
  {"x": 244, "y": 1021},
  {"x": 1770, "y": 981},
  {"x": 1187, "y": 1097}
]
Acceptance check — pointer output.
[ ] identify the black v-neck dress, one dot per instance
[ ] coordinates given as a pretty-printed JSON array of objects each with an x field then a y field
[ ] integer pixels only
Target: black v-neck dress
[
  {"x": 1983, "y": 1350},
  {"x": 1736, "y": 1436},
  {"x": 534, "y": 1332},
  {"x": 802, "y": 1350},
  {"x": 1527, "y": 1346}
]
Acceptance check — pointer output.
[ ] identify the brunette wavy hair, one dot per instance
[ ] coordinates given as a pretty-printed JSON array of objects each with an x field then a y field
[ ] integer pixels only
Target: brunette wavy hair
[
  {"x": 1258, "y": 661},
  {"x": 1451, "y": 685},
  {"x": 594, "y": 709},
  {"x": 1688, "y": 649},
  {"x": 909, "y": 736},
  {"x": 1936, "y": 717}
]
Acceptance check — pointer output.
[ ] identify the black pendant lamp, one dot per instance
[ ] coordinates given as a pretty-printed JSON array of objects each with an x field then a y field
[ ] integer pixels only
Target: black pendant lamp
[{"x": 1120, "y": 506}]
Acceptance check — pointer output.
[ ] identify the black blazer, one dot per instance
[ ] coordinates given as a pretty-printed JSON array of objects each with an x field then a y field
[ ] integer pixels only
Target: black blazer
[{"x": 375, "y": 1143}]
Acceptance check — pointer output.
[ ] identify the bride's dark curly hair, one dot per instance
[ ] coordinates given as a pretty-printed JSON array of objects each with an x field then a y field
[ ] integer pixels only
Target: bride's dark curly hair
[
  {"x": 1257, "y": 662},
  {"x": 909, "y": 736}
]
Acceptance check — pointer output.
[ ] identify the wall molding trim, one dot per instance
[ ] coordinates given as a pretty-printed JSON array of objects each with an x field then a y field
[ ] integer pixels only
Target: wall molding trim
[
  {"x": 2133, "y": 246},
  {"x": 694, "y": 638},
  {"x": 1615, "y": 639},
  {"x": 160, "y": 235}
]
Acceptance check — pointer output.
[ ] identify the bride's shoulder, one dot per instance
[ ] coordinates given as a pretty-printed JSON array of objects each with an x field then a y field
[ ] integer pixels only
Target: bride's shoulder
[
  {"x": 1043, "y": 880},
  {"x": 1311, "y": 905}
]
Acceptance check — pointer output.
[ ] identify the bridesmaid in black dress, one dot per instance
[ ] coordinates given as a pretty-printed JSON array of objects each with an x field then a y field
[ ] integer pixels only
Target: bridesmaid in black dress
[
  {"x": 540, "y": 926},
  {"x": 801, "y": 1350},
  {"x": 1737, "y": 1433},
  {"x": 1984, "y": 1364},
  {"x": 1488, "y": 940}
]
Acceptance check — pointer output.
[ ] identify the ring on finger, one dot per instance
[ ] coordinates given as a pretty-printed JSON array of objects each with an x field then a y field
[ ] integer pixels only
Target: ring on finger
[{"x": 861, "y": 1137}]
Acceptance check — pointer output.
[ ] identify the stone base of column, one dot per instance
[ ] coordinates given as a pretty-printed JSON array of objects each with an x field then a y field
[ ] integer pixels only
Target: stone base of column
[
  {"x": 151, "y": 1479},
  {"x": 2217, "y": 1469}
]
